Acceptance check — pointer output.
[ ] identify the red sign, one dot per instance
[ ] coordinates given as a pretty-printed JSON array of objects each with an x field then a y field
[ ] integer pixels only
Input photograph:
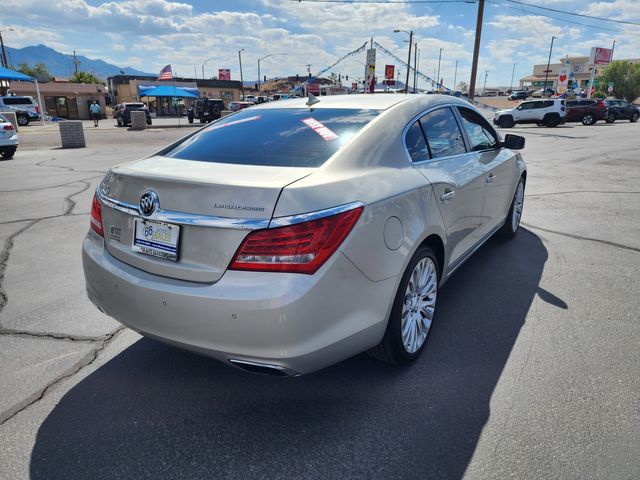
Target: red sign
[
  {"x": 600, "y": 56},
  {"x": 389, "y": 72},
  {"x": 224, "y": 74},
  {"x": 313, "y": 88}
]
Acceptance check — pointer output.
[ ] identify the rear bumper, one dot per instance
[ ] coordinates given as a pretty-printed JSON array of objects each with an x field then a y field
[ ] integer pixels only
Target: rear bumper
[{"x": 300, "y": 323}]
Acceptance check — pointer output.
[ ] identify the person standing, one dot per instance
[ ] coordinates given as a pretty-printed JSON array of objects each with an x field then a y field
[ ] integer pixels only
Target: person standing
[{"x": 96, "y": 112}]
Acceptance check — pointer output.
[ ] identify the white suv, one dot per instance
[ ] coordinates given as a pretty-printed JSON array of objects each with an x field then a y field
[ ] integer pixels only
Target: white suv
[
  {"x": 25, "y": 108},
  {"x": 551, "y": 113},
  {"x": 8, "y": 138}
]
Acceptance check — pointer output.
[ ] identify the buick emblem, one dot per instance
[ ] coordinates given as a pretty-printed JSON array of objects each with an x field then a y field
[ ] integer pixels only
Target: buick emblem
[{"x": 148, "y": 203}]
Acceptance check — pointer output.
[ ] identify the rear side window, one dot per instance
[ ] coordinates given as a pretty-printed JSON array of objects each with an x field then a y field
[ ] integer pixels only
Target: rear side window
[
  {"x": 17, "y": 101},
  {"x": 574, "y": 103},
  {"x": 284, "y": 137},
  {"x": 416, "y": 145},
  {"x": 480, "y": 133},
  {"x": 443, "y": 134}
]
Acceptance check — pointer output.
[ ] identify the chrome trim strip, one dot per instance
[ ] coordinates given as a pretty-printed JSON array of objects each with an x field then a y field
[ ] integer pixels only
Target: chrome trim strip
[
  {"x": 307, "y": 217},
  {"x": 182, "y": 218},
  {"x": 287, "y": 371},
  {"x": 458, "y": 263}
]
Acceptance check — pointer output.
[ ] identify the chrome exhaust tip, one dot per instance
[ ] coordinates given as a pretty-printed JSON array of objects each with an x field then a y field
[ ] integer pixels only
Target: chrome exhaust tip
[{"x": 263, "y": 368}]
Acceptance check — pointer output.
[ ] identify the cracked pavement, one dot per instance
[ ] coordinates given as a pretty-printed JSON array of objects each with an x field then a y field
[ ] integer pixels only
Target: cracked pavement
[{"x": 530, "y": 371}]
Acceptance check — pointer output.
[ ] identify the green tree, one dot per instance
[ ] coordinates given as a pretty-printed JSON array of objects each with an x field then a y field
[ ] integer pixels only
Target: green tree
[
  {"x": 463, "y": 87},
  {"x": 38, "y": 69},
  {"x": 84, "y": 77},
  {"x": 333, "y": 78},
  {"x": 625, "y": 77}
]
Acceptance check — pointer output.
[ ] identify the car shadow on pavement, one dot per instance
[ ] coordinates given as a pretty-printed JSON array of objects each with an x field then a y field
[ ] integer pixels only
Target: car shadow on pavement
[{"x": 154, "y": 411}]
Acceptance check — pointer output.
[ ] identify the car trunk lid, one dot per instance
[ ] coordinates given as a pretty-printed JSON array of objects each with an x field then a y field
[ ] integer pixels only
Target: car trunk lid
[{"x": 214, "y": 205}]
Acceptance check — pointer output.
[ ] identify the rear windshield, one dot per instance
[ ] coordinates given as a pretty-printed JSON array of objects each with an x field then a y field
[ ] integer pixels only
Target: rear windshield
[
  {"x": 135, "y": 105},
  {"x": 18, "y": 101},
  {"x": 275, "y": 137}
]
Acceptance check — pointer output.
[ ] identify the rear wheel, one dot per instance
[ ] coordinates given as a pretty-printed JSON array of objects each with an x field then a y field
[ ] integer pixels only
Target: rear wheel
[
  {"x": 588, "y": 119},
  {"x": 610, "y": 118},
  {"x": 634, "y": 117},
  {"x": 511, "y": 224},
  {"x": 8, "y": 153},
  {"x": 551, "y": 121},
  {"x": 23, "y": 120},
  {"x": 413, "y": 311}
]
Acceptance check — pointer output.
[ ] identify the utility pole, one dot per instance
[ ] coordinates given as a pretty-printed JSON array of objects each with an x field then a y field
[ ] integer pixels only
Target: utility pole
[
  {"x": 415, "y": 66},
  {"x": 546, "y": 72},
  {"x": 512, "y": 74},
  {"x": 484, "y": 88},
  {"x": 309, "y": 69},
  {"x": 4, "y": 53},
  {"x": 476, "y": 50},
  {"x": 455, "y": 76},
  {"x": 438, "y": 74},
  {"x": 406, "y": 86},
  {"x": 241, "y": 79},
  {"x": 76, "y": 62}
]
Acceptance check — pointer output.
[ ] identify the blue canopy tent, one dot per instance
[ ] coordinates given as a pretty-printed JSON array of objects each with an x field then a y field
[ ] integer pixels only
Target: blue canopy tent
[
  {"x": 13, "y": 76},
  {"x": 167, "y": 91}
]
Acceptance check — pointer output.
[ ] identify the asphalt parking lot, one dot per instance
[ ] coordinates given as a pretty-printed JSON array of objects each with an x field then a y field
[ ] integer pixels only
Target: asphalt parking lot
[{"x": 531, "y": 370}]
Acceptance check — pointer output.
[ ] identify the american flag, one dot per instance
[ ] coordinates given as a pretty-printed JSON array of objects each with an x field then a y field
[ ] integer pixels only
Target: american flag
[{"x": 165, "y": 73}]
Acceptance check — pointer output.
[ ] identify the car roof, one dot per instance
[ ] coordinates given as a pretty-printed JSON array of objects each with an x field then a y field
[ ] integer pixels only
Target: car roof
[{"x": 380, "y": 101}]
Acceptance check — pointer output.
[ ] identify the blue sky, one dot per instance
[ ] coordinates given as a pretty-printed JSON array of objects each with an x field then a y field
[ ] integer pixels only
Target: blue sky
[{"x": 148, "y": 34}]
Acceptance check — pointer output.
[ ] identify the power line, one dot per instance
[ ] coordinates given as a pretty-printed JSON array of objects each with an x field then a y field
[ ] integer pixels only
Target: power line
[
  {"x": 575, "y": 14},
  {"x": 382, "y": 2}
]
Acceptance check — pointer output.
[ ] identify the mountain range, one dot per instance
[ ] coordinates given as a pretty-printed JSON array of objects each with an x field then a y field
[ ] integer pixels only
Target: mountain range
[{"x": 61, "y": 64}]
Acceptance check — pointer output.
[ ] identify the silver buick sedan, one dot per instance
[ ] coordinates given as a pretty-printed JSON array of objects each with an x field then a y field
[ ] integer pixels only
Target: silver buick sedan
[{"x": 292, "y": 235}]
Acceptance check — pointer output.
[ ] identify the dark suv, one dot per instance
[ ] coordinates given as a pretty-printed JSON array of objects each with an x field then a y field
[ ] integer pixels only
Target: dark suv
[
  {"x": 122, "y": 113},
  {"x": 621, "y": 109},
  {"x": 586, "y": 111},
  {"x": 205, "y": 110}
]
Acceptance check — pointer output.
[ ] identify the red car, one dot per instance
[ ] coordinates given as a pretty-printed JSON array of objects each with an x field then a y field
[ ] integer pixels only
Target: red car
[{"x": 586, "y": 111}]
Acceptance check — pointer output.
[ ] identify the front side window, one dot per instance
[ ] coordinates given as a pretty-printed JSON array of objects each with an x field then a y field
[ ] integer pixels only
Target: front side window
[
  {"x": 444, "y": 137},
  {"x": 480, "y": 133},
  {"x": 284, "y": 137},
  {"x": 526, "y": 106}
]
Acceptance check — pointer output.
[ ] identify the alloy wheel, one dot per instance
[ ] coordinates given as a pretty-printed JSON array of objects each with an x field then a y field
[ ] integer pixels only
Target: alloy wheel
[
  {"x": 518, "y": 203},
  {"x": 419, "y": 305}
]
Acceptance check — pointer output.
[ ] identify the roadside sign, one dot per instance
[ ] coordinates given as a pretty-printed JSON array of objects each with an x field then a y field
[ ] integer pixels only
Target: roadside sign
[
  {"x": 596, "y": 83},
  {"x": 610, "y": 89},
  {"x": 611, "y": 84}
]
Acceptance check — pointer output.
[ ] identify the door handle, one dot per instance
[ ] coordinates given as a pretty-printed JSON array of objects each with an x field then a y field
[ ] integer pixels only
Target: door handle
[
  {"x": 447, "y": 195},
  {"x": 491, "y": 178}
]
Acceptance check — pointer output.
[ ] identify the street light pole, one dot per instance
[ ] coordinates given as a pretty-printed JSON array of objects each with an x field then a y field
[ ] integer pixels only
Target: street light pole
[
  {"x": 241, "y": 79},
  {"x": 415, "y": 67},
  {"x": 4, "y": 53},
  {"x": 546, "y": 72},
  {"x": 476, "y": 50},
  {"x": 203, "y": 64},
  {"x": 439, "y": 83},
  {"x": 484, "y": 88},
  {"x": 512, "y": 74},
  {"x": 406, "y": 85},
  {"x": 455, "y": 76}
]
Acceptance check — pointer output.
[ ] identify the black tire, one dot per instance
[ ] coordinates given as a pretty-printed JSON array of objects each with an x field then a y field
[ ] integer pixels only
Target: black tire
[
  {"x": 216, "y": 112},
  {"x": 610, "y": 118},
  {"x": 23, "y": 120},
  {"x": 391, "y": 349},
  {"x": 634, "y": 117},
  {"x": 508, "y": 230},
  {"x": 551, "y": 121},
  {"x": 588, "y": 119},
  {"x": 506, "y": 121},
  {"x": 119, "y": 122},
  {"x": 149, "y": 122},
  {"x": 8, "y": 153},
  {"x": 190, "y": 119},
  {"x": 203, "y": 120}
]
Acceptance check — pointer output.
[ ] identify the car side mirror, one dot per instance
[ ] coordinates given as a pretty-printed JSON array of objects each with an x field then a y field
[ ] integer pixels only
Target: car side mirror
[{"x": 513, "y": 142}]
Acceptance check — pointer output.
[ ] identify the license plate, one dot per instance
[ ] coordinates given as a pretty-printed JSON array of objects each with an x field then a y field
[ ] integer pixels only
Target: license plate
[{"x": 156, "y": 238}]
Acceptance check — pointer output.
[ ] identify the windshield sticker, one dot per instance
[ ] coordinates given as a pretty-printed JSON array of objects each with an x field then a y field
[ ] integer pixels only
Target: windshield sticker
[
  {"x": 234, "y": 122},
  {"x": 320, "y": 129}
]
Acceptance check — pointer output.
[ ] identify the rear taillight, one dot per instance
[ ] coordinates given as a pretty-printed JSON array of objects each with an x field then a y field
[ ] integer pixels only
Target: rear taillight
[
  {"x": 37, "y": 108},
  {"x": 299, "y": 248},
  {"x": 96, "y": 216},
  {"x": 8, "y": 127}
]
